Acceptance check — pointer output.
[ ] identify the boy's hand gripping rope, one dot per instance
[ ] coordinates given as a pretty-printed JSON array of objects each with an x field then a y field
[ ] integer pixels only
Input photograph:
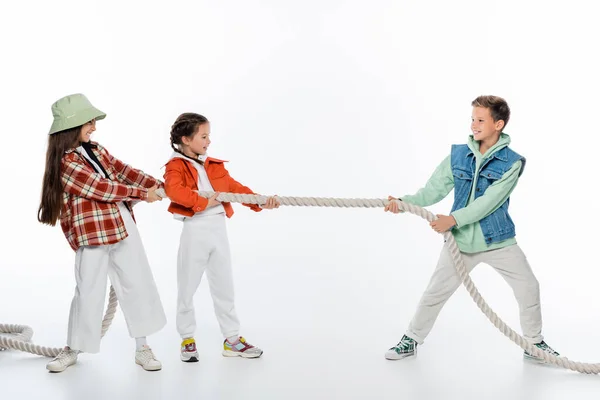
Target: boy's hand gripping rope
[{"x": 24, "y": 333}]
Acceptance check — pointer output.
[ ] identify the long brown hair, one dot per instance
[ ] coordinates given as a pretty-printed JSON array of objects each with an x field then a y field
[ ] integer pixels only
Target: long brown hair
[
  {"x": 52, "y": 188},
  {"x": 186, "y": 125}
]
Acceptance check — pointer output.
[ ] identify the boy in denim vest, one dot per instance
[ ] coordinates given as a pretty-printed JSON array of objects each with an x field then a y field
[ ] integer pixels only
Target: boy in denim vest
[{"x": 483, "y": 174}]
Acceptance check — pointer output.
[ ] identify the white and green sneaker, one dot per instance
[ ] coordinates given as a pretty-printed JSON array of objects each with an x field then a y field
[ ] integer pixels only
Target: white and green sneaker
[
  {"x": 406, "y": 347},
  {"x": 545, "y": 348}
]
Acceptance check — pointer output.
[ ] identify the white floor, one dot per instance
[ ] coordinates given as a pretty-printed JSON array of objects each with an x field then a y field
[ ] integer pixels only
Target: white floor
[
  {"x": 346, "y": 368},
  {"x": 324, "y": 301}
]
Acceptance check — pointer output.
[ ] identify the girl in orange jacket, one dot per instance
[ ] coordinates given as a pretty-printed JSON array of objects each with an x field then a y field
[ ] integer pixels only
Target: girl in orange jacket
[{"x": 204, "y": 244}]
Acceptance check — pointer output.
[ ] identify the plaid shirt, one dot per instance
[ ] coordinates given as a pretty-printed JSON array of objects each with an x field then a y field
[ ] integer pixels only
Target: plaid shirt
[{"x": 90, "y": 215}]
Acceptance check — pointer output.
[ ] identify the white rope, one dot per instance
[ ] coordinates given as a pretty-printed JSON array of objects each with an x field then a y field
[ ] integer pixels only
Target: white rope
[
  {"x": 459, "y": 264},
  {"x": 22, "y": 334}
]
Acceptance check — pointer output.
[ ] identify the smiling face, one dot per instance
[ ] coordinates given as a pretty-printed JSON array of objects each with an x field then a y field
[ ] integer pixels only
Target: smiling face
[
  {"x": 198, "y": 143},
  {"x": 483, "y": 126},
  {"x": 85, "y": 134}
]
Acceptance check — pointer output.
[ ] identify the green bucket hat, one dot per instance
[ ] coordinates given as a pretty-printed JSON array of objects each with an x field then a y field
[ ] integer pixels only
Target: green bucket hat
[{"x": 72, "y": 111}]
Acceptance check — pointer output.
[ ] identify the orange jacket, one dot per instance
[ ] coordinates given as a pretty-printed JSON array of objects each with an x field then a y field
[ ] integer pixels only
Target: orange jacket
[{"x": 181, "y": 181}]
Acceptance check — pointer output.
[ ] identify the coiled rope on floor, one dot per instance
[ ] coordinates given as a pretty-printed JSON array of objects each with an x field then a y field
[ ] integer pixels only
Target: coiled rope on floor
[{"x": 20, "y": 335}]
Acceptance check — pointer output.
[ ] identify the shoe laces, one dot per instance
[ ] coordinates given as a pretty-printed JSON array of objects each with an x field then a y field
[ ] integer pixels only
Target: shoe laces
[
  {"x": 64, "y": 355},
  {"x": 190, "y": 347},
  {"x": 405, "y": 343},
  {"x": 146, "y": 354},
  {"x": 544, "y": 347}
]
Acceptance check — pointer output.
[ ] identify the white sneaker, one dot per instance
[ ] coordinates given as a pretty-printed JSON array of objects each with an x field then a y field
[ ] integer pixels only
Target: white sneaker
[
  {"x": 63, "y": 360},
  {"x": 145, "y": 357}
]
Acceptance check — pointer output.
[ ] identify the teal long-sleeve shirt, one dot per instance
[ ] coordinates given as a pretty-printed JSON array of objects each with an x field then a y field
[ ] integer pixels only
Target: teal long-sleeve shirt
[{"x": 468, "y": 233}]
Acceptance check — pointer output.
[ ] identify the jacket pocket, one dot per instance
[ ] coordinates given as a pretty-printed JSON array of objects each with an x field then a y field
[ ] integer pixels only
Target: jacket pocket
[
  {"x": 463, "y": 180},
  {"x": 462, "y": 174},
  {"x": 491, "y": 175}
]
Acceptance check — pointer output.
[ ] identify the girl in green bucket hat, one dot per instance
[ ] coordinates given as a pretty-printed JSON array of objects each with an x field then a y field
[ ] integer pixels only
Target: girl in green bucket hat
[{"x": 92, "y": 194}]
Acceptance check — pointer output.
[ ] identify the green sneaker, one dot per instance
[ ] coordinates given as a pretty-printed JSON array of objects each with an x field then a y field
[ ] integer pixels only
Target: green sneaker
[
  {"x": 544, "y": 347},
  {"x": 406, "y": 347}
]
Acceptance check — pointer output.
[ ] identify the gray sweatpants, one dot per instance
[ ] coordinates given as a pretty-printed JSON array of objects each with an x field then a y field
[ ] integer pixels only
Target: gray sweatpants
[{"x": 509, "y": 261}]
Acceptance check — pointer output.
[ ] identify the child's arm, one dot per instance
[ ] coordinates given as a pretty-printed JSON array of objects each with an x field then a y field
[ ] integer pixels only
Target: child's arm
[
  {"x": 79, "y": 181},
  {"x": 494, "y": 197},
  {"x": 437, "y": 187},
  {"x": 179, "y": 193},
  {"x": 131, "y": 175},
  {"x": 236, "y": 187}
]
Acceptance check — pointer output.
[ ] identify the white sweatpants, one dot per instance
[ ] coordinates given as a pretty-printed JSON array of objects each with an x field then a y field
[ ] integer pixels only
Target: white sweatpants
[
  {"x": 204, "y": 247},
  {"x": 127, "y": 266},
  {"x": 510, "y": 262}
]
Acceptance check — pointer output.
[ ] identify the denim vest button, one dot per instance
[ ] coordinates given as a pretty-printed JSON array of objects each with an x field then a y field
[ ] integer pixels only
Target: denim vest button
[{"x": 479, "y": 189}]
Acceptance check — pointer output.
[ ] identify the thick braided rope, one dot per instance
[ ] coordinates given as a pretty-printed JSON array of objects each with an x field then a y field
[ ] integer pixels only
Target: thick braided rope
[
  {"x": 23, "y": 334},
  {"x": 20, "y": 335},
  {"x": 459, "y": 264}
]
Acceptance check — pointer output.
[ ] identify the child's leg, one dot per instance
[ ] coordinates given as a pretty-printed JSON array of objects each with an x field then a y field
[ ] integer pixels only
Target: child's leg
[
  {"x": 85, "y": 319},
  {"x": 443, "y": 284},
  {"x": 192, "y": 259},
  {"x": 512, "y": 264},
  {"x": 220, "y": 280},
  {"x": 132, "y": 279},
  {"x": 140, "y": 342}
]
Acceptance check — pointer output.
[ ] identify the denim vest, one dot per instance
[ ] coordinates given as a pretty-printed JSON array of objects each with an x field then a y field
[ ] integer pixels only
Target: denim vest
[{"x": 497, "y": 226}]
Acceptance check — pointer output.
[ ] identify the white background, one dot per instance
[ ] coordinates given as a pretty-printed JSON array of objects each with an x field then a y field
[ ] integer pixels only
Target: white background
[{"x": 311, "y": 98}]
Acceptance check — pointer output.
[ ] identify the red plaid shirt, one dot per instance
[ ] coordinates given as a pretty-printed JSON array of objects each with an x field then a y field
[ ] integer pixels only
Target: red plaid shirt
[{"x": 90, "y": 215}]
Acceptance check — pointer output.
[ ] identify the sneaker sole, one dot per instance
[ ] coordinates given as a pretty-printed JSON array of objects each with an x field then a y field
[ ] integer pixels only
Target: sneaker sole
[
  {"x": 148, "y": 368},
  {"x": 533, "y": 359},
  {"x": 56, "y": 370},
  {"x": 539, "y": 361},
  {"x": 397, "y": 356},
  {"x": 192, "y": 358},
  {"x": 229, "y": 353}
]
